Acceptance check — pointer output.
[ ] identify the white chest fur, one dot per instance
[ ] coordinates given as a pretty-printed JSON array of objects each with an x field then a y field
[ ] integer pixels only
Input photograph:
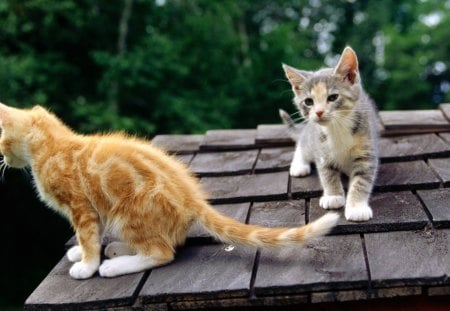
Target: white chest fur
[{"x": 340, "y": 142}]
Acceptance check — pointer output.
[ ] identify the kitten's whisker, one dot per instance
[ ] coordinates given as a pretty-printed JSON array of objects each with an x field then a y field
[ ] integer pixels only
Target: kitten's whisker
[
  {"x": 354, "y": 110},
  {"x": 301, "y": 119},
  {"x": 295, "y": 113},
  {"x": 3, "y": 168}
]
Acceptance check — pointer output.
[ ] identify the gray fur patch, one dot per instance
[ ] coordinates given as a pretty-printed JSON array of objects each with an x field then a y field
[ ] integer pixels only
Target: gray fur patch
[{"x": 357, "y": 122}]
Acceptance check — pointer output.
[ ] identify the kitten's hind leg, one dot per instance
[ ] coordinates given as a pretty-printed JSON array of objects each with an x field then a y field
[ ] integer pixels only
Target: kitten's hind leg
[
  {"x": 299, "y": 166},
  {"x": 126, "y": 264},
  {"x": 116, "y": 249},
  {"x": 333, "y": 193}
]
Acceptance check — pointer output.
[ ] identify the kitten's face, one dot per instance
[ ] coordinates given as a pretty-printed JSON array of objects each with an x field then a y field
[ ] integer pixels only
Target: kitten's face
[
  {"x": 14, "y": 124},
  {"x": 329, "y": 94}
]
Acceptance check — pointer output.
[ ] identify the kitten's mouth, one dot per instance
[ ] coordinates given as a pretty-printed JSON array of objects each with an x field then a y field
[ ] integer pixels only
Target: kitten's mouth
[{"x": 323, "y": 121}]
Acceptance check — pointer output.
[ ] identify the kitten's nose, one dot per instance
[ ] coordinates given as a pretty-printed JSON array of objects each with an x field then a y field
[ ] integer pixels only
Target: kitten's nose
[{"x": 319, "y": 113}]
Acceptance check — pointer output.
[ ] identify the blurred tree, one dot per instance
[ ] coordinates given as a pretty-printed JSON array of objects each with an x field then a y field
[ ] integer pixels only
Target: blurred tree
[{"x": 186, "y": 66}]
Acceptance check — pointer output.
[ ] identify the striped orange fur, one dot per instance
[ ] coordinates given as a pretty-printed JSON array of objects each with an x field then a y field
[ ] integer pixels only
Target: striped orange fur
[{"x": 126, "y": 187}]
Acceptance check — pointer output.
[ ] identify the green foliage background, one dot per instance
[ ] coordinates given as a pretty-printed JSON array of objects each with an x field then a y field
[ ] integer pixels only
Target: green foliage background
[{"x": 186, "y": 66}]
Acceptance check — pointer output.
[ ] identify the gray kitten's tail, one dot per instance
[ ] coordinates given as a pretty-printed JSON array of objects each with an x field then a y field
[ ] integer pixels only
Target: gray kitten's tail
[{"x": 292, "y": 129}]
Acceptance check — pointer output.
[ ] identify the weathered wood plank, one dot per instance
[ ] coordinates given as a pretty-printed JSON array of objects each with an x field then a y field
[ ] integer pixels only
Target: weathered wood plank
[
  {"x": 179, "y": 144},
  {"x": 201, "y": 273},
  {"x": 379, "y": 126},
  {"x": 305, "y": 187},
  {"x": 273, "y": 135},
  {"x": 224, "y": 163},
  {"x": 438, "y": 204},
  {"x": 245, "y": 188},
  {"x": 392, "y": 211},
  {"x": 413, "y": 131},
  {"x": 439, "y": 291},
  {"x": 274, "y": 159},
  {"x": 229, "y": 140},
  {"x": 328, "y": 263},
  {"x": 442, "y": 168},
  {"x": 235, "y": 211},
  {"x": 59, "y": 291},
  {"x": 412, "y": 147},
  {"x": 278, "y": 213},
  {"x": 445, "y": 108},
  {"x": 391, "y": 176},
  {"x": 277, "y": 301},
  {"x": 406, "y": 258},
  {"x": 185, "y": 158},
  {"x": 339, "y": 296},
  {"x": 397, "y": 292},
  {"x": 414, "y": 119},
  {"x": 405, "y": 176},
  {"x": 445, "y": 136}
]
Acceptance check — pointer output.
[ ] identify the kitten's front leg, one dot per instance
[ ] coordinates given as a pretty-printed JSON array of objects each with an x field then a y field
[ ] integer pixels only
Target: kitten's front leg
[
  {"x": 362, "y": 178},
  {"x": 87, "y": 227},
  {"x": 74, "y": 253},
  {"x": 333, "y": 193},
  {"x": 299, "y": 166}
]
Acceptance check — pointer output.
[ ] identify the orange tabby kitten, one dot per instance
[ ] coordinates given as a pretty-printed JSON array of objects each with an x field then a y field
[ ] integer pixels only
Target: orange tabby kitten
[{"x": 126, "y": 187}]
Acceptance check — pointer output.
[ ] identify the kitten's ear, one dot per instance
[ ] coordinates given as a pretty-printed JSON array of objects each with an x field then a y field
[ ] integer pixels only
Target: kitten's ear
[
  {"x": 295, "y": 77},
  {"x": 38, "y": 108},
  {"x": 348, "y": 66}
]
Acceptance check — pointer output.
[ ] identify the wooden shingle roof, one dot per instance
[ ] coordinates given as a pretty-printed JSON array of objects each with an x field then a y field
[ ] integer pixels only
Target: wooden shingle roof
[{"x": 402, "y": 251}]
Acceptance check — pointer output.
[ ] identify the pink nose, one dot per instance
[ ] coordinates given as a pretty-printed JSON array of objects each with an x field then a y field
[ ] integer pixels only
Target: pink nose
[{"x": 319, "y": 113}]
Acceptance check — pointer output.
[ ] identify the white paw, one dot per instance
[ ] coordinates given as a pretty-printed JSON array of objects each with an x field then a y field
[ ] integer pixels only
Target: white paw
[
  {"x": 74, "y": 253},
  {"x": 109, "y": 268},
  {"x": 125, "y": 264},
  {"x": 299, "y": 169},
  {"x": 358, "y": 212},
  {"x": 332, "y": 201},
  {"x": 115, "y": 249},
  {"x": 81, "y": 270}
]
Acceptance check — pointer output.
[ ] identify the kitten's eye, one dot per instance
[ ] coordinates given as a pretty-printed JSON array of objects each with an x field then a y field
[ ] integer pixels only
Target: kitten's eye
[
  {"x": 309, "y": 102},
  {"x": 332, "y": 97}
]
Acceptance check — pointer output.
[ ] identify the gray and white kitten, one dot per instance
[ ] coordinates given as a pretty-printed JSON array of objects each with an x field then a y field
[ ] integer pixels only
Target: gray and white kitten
[{"x": 339, "y": 134}]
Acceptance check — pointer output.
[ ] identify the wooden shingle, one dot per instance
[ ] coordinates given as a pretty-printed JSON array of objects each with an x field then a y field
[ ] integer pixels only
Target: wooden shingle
[
  {"x": 414, "y": 121},
  {"x": 392, "y": 211},
  {"x": 228, "y": 140},
  {"x": 201, "y": 272},
  {"x": 178, "y": 144},
  {"x": 331, "y": 263},
  {"x": 245, "y": 188},
  {"x": 408, "y": 257},
  {"x": 58, "y": 290},
  {"x": 412, "y": 147},
  {"x": 224, "y": 163},
  {"x": 274, "y": 159},
  {"x": 273, "y": 135},
  {"x": 437, "y": 202},
  {"x": 404, "y": 176}
]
